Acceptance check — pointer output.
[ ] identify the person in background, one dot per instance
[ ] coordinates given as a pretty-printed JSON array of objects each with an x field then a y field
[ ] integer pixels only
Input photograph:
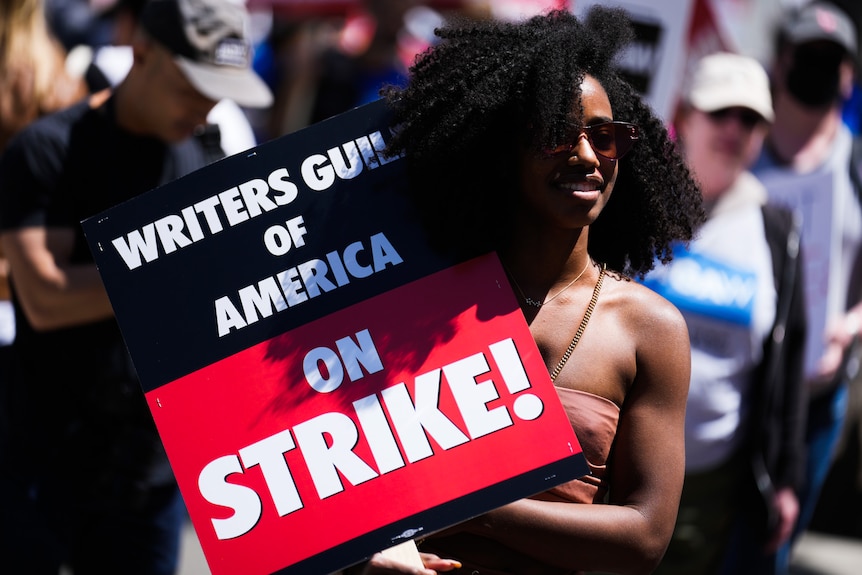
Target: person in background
[
  {"x": 521, "y": 138},
  {"x": 809, "y": 163},
  {"x": 327, "y": 70},
  {"x": 77, "y": 22},
  {"x": 85, "y": 481},
  {"x": 740, "y": 289},
  {"x": 105, "y": 66},
  {"x": 33, "y": 77},
  {"x": 33, "y": 82}
]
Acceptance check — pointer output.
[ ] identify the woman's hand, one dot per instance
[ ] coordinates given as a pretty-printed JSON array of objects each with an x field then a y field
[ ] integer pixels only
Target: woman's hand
[
  {"x": 432, "y": 564},
  {"x": 840, "y": 334},
  {"x": 787, "y": 506}
]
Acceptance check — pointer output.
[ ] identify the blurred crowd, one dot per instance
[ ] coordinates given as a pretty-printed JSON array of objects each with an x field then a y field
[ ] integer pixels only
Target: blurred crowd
[
  {"x": 798, "y": 108},
  {"x": 319, "y": 58}
]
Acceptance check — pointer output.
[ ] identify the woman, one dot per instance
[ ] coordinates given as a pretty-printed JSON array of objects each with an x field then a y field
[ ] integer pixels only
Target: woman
[
  {"x": 33, "y": 82},
  {"x": 521, "y": 138},
  {"x": 33, "y": 77}
]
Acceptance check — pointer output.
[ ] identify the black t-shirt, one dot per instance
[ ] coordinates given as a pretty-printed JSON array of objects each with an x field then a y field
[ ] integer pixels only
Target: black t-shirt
[{"x": 75, "y": 399}]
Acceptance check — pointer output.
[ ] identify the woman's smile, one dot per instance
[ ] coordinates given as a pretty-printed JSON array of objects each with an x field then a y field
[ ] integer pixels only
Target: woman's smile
[{"x": 578, "y": 185}]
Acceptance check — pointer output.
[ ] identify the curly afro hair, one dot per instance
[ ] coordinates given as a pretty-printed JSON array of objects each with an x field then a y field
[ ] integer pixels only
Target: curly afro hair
[{"x": 488, "y": 88}]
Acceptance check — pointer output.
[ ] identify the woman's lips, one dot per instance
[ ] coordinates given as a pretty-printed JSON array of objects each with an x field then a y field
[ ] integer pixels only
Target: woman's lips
[{"x": 579, "y": 186}]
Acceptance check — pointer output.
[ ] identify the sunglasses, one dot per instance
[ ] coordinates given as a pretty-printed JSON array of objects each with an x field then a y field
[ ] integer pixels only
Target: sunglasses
[
  {"x": 748, "y": 118},
  {"x": 611, "y": 140}
]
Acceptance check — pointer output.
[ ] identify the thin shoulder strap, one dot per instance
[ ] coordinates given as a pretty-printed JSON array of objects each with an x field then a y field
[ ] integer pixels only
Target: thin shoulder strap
[{"x": 856, "y": 166}]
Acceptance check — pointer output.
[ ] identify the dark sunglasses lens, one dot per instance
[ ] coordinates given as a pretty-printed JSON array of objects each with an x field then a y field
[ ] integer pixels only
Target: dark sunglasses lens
[
  {"x": 719, "y": 115},
  {"x": 748, "y": 118},
  {"x": 603, "y": 137},
  {"x": 561, "y": 149},
  {"x": 612, "y": 140}
]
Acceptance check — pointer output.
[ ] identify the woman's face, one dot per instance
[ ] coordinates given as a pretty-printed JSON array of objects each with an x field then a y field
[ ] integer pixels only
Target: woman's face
[
  {"x": 569, "y": 190},
  {"x": 720, "y": 145}
]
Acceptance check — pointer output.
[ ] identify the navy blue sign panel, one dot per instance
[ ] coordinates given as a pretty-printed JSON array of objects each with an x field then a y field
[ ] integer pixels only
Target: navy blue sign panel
[{"x": 274, "y": 218}]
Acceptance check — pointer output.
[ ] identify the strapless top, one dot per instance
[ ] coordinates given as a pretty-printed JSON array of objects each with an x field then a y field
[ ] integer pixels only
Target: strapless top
[{"x": 594, "y": 419}]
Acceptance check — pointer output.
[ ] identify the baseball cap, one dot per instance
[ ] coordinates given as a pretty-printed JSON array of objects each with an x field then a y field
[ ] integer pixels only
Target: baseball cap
[
  {"x": 726, "y": 80},
  {"x": 822, "y": 21},
  {"x": 210, "y": 44}
]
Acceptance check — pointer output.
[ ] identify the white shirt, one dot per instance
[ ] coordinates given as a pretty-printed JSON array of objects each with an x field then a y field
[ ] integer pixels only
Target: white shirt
[{"x": 724, "y": 287}]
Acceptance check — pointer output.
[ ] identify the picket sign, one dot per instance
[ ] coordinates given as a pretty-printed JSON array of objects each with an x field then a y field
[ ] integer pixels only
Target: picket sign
[{"x": 315, "y": 370}]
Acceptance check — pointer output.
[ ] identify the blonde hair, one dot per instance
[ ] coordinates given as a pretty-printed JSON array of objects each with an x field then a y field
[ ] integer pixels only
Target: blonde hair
[{"x": 33, "y": 78}]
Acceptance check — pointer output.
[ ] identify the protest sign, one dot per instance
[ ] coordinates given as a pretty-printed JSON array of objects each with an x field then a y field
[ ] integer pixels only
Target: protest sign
[
  {"x": 324, "y": 383},
  {"x": 810, "y": 197},
  {"x": 655, "y": 60}
]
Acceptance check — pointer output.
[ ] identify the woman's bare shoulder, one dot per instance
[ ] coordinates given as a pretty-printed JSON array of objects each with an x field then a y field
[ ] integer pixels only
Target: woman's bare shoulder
[
  {"x": 645, "y": 309},
  {"x": 659, "y": 338}
]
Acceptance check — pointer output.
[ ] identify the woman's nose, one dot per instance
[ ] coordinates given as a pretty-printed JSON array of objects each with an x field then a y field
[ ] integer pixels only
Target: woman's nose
[{"x": 582, "y": 152}]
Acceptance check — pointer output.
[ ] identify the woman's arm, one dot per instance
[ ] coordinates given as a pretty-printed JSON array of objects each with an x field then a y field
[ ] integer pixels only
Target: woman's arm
[{"x": 631, "y": 533}]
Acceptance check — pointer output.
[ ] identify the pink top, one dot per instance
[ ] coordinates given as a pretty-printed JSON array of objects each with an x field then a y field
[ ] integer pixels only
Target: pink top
[{"x": 594, "y": 419}]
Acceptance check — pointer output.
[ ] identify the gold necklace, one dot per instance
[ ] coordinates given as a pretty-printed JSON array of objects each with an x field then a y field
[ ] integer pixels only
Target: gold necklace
[
  {"x": 590, "y": 307},
  {"x": 539, "y": 304}
]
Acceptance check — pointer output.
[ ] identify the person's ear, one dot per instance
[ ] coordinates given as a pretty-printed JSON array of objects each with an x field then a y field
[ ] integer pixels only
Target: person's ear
[
  {"x": 142, "y": 48},
  {"x": 678, "y": 125},
  {"x": 846, "y": 72}
]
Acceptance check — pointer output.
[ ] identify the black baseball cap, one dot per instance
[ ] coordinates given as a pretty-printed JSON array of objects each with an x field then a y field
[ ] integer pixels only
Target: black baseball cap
[{"x": 822, "y": 21}]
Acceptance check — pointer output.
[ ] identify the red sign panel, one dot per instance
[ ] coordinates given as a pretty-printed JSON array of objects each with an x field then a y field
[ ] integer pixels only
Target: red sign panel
[{"x": 363, "y": 418}]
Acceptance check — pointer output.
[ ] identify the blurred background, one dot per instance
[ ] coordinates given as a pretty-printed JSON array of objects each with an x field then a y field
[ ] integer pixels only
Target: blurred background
[{"x": 322, "y": 57}]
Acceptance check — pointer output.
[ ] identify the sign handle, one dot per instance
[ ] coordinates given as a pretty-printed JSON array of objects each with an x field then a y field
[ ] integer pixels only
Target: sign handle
[{"x": 404, "y": 552}]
